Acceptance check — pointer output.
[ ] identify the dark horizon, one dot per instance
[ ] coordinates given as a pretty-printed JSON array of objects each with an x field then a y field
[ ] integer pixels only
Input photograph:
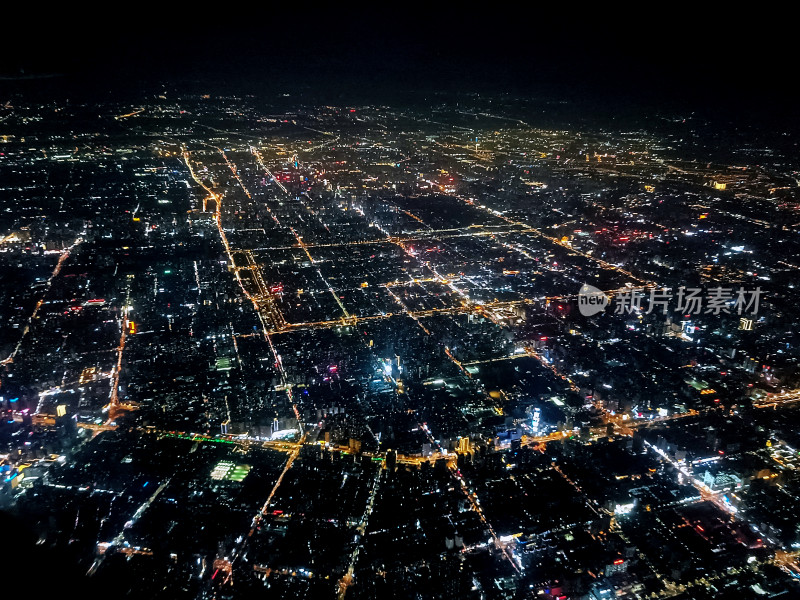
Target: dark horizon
[{"x": 706, "y": 64}]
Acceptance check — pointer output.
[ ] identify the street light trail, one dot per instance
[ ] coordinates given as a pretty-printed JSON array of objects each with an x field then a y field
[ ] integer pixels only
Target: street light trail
[{"x": 61, "y": 259}]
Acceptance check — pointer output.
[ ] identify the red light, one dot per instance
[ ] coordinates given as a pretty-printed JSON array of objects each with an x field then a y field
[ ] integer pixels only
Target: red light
[{"x": 619, "y": 561}]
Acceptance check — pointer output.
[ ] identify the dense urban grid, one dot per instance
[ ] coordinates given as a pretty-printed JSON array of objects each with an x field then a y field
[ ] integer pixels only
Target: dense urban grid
[{"x": 258, "y": 347}]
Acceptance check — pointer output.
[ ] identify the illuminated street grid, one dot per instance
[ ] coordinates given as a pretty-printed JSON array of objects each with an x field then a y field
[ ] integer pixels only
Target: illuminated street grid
[{"x": 313, "y": 357}]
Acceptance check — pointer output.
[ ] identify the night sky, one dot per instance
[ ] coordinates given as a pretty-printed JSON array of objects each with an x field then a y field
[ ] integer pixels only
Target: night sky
[{"x": 737, "y": 63}]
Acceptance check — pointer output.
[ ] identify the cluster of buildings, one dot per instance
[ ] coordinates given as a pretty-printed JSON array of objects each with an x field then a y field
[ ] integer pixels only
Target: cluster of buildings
[{"x": 339, "y": 350}]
